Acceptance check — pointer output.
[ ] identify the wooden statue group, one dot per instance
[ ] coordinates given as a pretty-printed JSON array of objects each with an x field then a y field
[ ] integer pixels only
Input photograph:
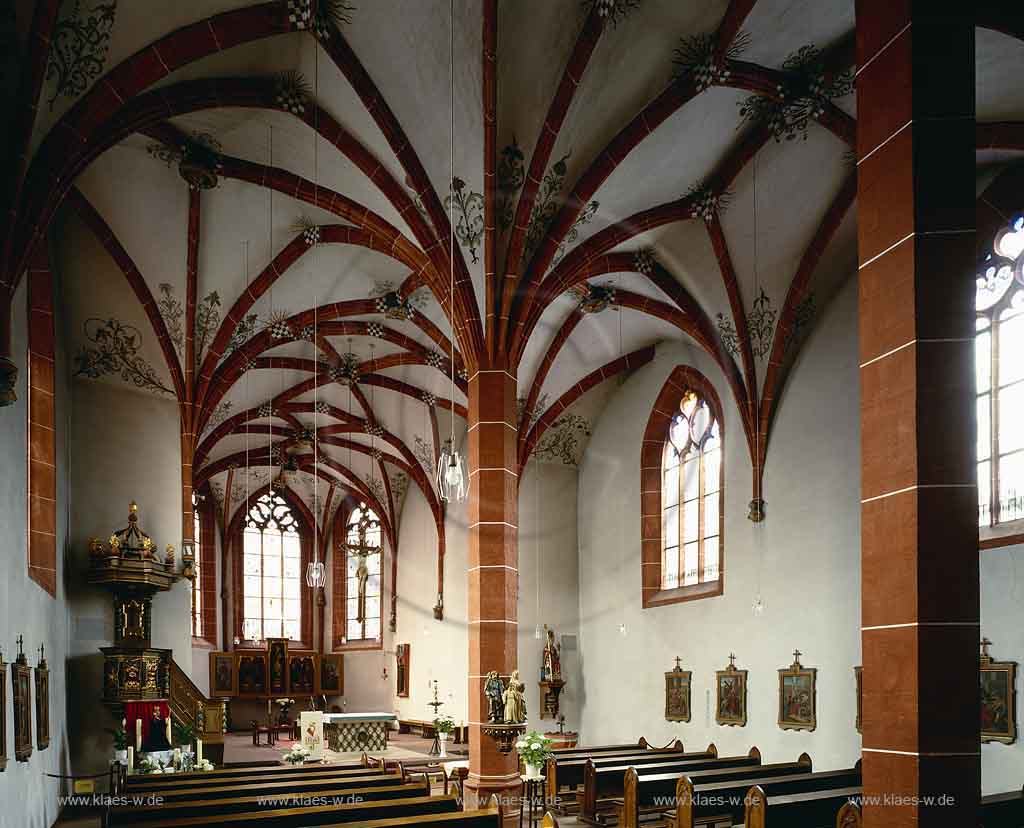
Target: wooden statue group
[{"x": 506, "y": 704}]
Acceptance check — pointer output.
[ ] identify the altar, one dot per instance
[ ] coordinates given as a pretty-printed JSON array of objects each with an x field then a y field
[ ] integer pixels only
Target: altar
[{"x": 354, "y": 732}]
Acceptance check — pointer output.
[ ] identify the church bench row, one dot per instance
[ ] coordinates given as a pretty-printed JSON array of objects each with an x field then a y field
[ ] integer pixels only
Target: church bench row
[
  {"x": 641, "y": 743},
  {"x": 1003, "y": 810},
  {"x": 648, "y": 790},
  {"x": 812, "y": 809},
  {"x": 603, "y": 780},
  {"x": 270, "y": 800},
  {"x": 278, "y": 787},
  {"x": 159, "y": 783},
  {"x": 565, "y": 772},
  {"x": 254, "y": 770},
  {"x": 699, "y": 801},
  {"x": 279, "y": 816}
]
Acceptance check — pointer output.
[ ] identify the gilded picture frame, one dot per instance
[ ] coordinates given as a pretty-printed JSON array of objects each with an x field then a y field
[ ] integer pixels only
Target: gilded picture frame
[
  {"x": 21, "y": 690},
  {"x": 277, "y": 655},
  {"x": 223, "y": 675},
  {"x": 858, "y": 680},
  {"x": 998, "y": 688},
  {"x": 677, "y": 694},
  {"x": 731, "y": 695},
  {"x": 42, "y": 676},
  {"x": 332, "y": 674},
  {"x": 798, "y": 691},
  {"x": 3, "y": 715}
]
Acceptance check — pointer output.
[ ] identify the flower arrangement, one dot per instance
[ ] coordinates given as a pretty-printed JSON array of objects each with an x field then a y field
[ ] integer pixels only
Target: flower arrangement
[
  {"x": 150, "y": 764},
  {"x": 444, "y": 724},
  {"x": 534, "y": 749},
  {"x": 297, "y": 755}
]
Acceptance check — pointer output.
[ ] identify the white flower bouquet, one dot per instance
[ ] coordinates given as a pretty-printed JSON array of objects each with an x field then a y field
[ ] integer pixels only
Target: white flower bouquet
[
  {"x": 297, "y": 755},
  {"x": 534, "y": 748}
]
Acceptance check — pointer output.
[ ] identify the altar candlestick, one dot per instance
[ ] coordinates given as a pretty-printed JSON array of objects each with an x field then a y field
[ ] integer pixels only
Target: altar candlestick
[{"x": 168, "y": 727}]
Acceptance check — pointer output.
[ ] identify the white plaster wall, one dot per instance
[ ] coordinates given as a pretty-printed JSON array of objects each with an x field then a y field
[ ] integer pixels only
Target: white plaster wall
[
  {"x": 126, "y": 447},
  {"x": 29, "y": 797},
  {"x": 1002, "y": 614},
  {"x": 806, "y": 557}
]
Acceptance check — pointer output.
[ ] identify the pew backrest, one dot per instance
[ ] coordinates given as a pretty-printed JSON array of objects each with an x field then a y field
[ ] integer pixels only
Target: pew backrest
[
  {"x": 161, "y": 782},
  {"x": 567, "y": 771},
  {"x": 820, "y": 807},
  {"x": 279, "y": 788}
]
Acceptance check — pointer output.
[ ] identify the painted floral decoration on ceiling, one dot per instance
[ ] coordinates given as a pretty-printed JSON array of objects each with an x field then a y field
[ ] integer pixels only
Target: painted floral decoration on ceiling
[
  {"x": 511, "y": 175},
  {"x": 114, "y": 351},
  {"x": 564, "y": 441},
  {"x": 807, "y": 91},
  {"x": 468, "y": 206},
  {"x": 546, "y": 206},
  {"x": 699, "y": 60},
  {"x": 79, "y": 47},
  {"x": 612, "y": 11},
  {"x": 198, "y": 158},
  {"x": 173, "y": 313}
]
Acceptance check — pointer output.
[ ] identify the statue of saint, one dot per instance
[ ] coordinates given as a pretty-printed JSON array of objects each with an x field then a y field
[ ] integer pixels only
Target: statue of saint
[
  {"x": 551, "y": 663},
  {"x": 493, "y": 692},
  {"x": 515, "y": 700}
]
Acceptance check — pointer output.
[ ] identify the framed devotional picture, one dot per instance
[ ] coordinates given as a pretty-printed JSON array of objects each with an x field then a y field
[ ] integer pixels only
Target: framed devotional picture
[
  {"x": 677, "y": 694},
  {"x": 332, "y": 676},
  {"x": 731, "y": 695},
  {"x": 277, "y": 650},
  {"x": 797, "y": 696},
  {"x": 42, "y": 702},
  {"x": 21, "y": 690},
  {"x": 858, "y": 680},
  {"x": 998, "y": 698},
  {"x": 3, "y": 714},
  {"x": 223, "y": 677}
]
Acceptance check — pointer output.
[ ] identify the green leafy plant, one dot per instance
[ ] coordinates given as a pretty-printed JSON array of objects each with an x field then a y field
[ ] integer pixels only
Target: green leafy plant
[
  {"x": 534, "y": 748},
  {"x": 120, "y": 738},
  {"x": 444, "y": 724},
  {"x": 183, "y": 733}
]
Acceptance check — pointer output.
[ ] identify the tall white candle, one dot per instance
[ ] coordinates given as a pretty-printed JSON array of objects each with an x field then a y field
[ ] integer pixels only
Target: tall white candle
[
  {"x": 199, "y": 751},
  {"x": 131, "y": 759},
  {"x": 138, "y": 734},
  {"x": 168, "y": 727}
]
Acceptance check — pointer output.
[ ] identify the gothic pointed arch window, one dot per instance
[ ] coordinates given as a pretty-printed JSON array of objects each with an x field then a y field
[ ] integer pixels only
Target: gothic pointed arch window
[
  {"x": 272, "y": 564},
  {"x": 362, "y": 575},
  {"x": 204, "y": 583},
  {"x": 999, "y": 372},
  {"x": 682, "y": 492}
]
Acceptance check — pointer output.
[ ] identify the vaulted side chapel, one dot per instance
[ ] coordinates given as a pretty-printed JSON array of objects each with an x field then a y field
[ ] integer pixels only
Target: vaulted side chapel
[{"x": 511, "y": 412}]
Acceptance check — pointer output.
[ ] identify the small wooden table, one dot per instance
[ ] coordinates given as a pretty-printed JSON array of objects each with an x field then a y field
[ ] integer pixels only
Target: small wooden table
[{"x": 532, "y": 802}]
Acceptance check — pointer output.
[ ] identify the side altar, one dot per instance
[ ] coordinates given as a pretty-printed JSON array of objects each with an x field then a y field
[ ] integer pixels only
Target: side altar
[{"x": 275, "y": 671}]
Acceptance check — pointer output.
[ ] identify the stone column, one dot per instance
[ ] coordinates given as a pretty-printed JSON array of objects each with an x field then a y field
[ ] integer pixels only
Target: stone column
[
  {"x": 493, "y": 571},
  {"x": 919, "y": 526}
]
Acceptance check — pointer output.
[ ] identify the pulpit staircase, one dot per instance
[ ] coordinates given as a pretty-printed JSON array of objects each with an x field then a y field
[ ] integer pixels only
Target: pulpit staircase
[{"x": 188, "y": 704}]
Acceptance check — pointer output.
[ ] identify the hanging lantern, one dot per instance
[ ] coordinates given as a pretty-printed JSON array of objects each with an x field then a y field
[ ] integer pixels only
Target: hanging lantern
[
  {"x": 451, "y": 477},
  {"x": 316, "y": 574}
]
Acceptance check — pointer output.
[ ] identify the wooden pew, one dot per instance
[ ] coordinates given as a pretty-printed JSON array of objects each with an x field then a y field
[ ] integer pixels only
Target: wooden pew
[
  {"x": 564, "y": 773},
  {"x": 697, "y": 802},
  {"x": 811, "y": 809},
  {"x": 158, "y": 782},
  {"x": 324, "y": 787},
  {"x": 644, "y": 789},
  {"x": 1002, "y": 810},
  {"x": 850, "y": 816},
  {"x": 641, "y": 744},
  {"x": 603, "y": 782},
  {"x": 487, "y": 817},
  {"x": 250, "y": 804},
  {"x": 394, "y": 812},
  {"x": 272, "y": 768}
]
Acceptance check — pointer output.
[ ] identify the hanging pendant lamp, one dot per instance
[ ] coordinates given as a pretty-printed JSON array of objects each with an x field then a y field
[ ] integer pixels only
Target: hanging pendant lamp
[
  {"x": 316, "y": 573},
  {"x": 452, "y": 479}
]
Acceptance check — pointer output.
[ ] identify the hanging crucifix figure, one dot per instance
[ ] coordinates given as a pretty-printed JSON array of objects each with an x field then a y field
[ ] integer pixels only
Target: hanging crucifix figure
[{"x": 362, "y": 550}]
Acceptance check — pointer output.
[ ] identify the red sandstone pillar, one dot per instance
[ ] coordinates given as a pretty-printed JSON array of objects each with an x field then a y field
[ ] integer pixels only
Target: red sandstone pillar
[
  {"x": 493, "y": 570},
  {"x": 919, "y": 535}
]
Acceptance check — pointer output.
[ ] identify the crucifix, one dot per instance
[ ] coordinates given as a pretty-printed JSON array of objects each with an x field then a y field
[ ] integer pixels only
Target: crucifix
[
  {"x": 796, "y": 656},
  {"x": 362, "y": 550},
  {"x": 679, "y": 664},
  {"x": 732, "y": 660}
]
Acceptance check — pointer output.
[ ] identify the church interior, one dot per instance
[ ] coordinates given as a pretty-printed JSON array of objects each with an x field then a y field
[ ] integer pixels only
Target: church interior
[{"x": 466, "y": 412}]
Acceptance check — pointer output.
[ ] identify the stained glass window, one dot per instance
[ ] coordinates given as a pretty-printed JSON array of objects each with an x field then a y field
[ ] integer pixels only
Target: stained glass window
[
  {"x": 691, "y": 496},
  {"x": 365, "y": 552},
  {"x": 999, "y": 373},
  {"x": 271, "y": 571}
]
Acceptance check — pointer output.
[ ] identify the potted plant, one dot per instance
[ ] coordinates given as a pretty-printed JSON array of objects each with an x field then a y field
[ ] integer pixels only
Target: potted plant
[
  {"x": 297, "y": 755},
  {"x": 444, "y": 725},
  {"x": 183, "y": 733},
  {"x": 534, "y": 749},
  {"x": 120, "y": 736}
]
